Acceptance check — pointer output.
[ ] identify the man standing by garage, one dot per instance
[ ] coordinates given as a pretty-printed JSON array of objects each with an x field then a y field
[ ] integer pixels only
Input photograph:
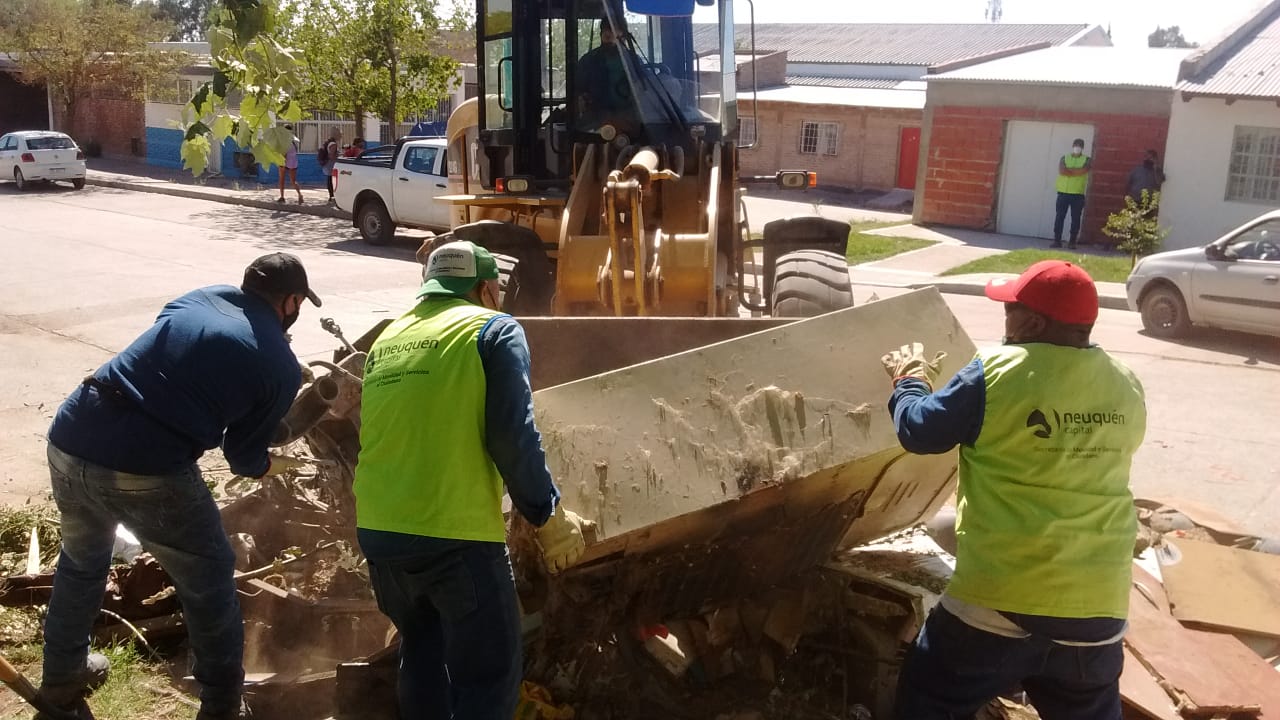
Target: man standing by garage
[
  {"x": 1047, "y": 426},
  {"x": 1073, "y": 181},
  {"x": 446, "y": 418},
  {"x": 214, "y": 370}
]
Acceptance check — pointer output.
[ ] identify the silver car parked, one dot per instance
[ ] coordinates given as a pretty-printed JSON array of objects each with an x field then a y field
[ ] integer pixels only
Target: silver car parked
[{"x": 1231, "y": 283}]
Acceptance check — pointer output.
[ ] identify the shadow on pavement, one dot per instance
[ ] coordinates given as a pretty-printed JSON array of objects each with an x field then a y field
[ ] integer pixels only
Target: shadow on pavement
[
  {"x": 292, "y": 230},
  {"x": 36, "y": 188},
  {"x": 1254, "y": 350}
]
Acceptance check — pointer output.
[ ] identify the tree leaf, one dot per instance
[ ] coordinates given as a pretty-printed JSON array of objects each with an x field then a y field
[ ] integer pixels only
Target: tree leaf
[
  {"x": 223, "y": 127},
  {"x": 220, "y": 83},
  {"x": 195, "y": 153}
]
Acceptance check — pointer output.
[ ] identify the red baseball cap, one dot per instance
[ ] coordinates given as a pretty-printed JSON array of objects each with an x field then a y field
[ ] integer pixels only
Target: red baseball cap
[{"x": 1057, "y": 289}]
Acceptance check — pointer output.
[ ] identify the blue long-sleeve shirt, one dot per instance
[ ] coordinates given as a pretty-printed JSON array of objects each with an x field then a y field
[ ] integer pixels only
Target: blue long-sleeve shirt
[
  {"x": 511, "y": 437},
  {"x": 214, "y": 370},
  {"x": 930, "y": 423}
]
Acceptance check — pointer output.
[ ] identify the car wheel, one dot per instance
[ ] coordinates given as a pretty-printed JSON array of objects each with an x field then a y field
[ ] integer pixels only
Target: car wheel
[
  {"x": 1164, "y": 313},
  {"x": 375, "y": 223},
  {"x": 78, "y": 183},
  {"x": 19, "y": 179}
]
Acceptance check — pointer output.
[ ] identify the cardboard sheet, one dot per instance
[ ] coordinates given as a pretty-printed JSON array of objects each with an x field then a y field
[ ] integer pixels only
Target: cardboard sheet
[{"x": 1223, "y": 587}]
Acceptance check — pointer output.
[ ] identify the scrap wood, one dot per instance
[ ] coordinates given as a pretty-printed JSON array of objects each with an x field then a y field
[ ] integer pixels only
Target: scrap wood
[
  {"x": 244, "y": 577},
  {"x": 1224, "y": 587},
  {"x": 1142, "y": 692},
  {"x": 1213, "y": 671}
]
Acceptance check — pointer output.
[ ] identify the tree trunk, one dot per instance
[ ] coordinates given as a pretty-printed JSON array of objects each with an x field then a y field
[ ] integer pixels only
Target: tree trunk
[
  {"x": 360, "y": 126},
  {"x": 391, "y": 118}
]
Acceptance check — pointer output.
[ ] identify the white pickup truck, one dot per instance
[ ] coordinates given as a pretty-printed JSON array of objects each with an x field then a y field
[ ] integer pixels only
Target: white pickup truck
[{"x": 395, "y": 185}]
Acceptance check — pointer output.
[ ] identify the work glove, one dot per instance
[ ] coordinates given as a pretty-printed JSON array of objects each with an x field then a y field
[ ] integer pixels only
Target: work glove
[
  {"x": 909, "y": 361},
  {"x": 282, "y": 464},
  {"x": 561, "y": 539}
]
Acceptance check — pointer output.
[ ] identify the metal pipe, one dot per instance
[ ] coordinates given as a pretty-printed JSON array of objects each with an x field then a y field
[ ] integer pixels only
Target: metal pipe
[{"x": 307, "y": 409}]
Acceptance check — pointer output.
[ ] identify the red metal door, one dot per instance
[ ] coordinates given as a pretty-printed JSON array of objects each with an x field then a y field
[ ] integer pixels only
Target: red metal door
[{"x": 908, "y": 157}]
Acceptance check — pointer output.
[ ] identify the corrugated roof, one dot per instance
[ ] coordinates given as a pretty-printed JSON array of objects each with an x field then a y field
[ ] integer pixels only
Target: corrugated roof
[
  {"x": 843, "y": 82},
  {"x": 888, "y": 43},
  {"x": 853, "y": 97},
  {"x": 1248, "y": 67},
  {"x": 1089, "y": 66}
]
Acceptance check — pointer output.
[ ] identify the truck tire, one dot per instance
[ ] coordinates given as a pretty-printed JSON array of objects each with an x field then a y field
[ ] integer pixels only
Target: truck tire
[
  {"x": 514, "y": 302},
  {"x": 375, "y": 223},
  {"x": 811, "y": 282}
]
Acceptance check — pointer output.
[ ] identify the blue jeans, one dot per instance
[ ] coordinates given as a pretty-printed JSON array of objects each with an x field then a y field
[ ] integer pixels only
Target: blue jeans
[
  {"x": 1074, "y": 204},
  {"x": 454, "y": 603},
  {"x": 954, "y": 669},
  {"x": 176, "y": 520}
]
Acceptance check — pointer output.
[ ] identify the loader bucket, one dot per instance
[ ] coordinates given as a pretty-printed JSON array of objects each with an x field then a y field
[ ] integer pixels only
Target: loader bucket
[{"x": 723, "y": 469}]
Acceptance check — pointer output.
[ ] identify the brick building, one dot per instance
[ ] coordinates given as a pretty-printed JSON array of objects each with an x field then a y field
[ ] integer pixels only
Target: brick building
[
  {"x": 849, "y": 102},
  {"x": 994, "y": 133}
]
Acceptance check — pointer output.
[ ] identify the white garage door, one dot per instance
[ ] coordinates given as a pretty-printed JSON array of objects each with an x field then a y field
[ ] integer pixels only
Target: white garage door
[{"x": 1028, "y": 174}]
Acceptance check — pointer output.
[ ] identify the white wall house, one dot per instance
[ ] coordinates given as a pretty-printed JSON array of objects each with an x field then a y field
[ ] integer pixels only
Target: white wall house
[{"x": 1223, "y": 154}]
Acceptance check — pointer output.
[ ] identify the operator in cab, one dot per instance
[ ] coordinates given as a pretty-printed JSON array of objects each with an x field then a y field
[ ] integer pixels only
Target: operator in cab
[{"x": 604, "y": 90}]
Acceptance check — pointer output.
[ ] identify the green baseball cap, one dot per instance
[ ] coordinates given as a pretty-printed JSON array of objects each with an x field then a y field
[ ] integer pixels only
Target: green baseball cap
[{"x": 456, "y": 267}]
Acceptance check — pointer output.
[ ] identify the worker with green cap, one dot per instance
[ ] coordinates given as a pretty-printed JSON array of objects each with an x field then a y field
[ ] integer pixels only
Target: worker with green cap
[{"x": 446, "y": 420}]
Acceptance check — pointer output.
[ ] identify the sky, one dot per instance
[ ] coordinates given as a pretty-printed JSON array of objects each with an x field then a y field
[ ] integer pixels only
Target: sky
[{"x": 1130, "y": 20}]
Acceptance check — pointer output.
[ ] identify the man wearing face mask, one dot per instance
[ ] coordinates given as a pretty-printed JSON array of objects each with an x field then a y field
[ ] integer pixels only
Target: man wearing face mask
[
  {"x": 446, "y": 421},
  {"x": 215, "y": 370},
  {"x": 1047, "y": 425},
  {"x": 1073, "y": 181}
]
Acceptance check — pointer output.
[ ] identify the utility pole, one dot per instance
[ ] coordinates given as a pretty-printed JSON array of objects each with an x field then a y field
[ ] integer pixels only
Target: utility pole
[{"x": 994, "y": 11}]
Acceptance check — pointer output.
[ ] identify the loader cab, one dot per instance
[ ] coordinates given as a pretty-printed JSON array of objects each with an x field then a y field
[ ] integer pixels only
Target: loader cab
[{"x": 559, "y": 75}]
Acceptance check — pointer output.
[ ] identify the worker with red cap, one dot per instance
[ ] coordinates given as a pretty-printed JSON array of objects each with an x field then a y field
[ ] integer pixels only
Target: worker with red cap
[{"x": 1047, "y": 425}]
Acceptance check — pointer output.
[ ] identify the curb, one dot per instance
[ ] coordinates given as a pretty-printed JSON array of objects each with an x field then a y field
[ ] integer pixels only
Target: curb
[
  {"x": 176, "y": 190},
  {"x": 1109, "y": 302}
]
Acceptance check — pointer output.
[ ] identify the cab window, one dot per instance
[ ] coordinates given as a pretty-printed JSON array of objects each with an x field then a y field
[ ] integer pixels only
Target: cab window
[{"x": 421, "y": 160}]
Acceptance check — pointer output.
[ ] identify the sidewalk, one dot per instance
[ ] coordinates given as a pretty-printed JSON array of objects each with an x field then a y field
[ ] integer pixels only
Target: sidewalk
[
  {"x": 140, "y": 177},
  {"x": 924, "y": 267}
]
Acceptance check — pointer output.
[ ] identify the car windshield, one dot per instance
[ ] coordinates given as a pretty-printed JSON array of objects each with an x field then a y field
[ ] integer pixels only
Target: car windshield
[{"x": 50, "y": 142}]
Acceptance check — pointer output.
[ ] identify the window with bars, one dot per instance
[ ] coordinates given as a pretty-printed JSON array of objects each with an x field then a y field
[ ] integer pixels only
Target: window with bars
[
  {"x": 820, "y": 138},
  {"x": 1254, "y": 175},
  {"x": 746, "y": 131}
]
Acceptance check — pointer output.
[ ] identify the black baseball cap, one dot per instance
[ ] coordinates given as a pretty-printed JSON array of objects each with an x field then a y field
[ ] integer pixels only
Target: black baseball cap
[{"x": 279, "y": 274}]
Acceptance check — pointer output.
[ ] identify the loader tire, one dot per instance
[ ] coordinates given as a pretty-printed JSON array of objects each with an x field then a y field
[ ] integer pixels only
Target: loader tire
[
  {"x": 520, "y": 294},
  {"x": 811, "y": 282}
]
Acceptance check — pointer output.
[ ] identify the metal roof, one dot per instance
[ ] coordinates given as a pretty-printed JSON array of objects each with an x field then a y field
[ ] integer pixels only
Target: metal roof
[
  {"x": 1245, "y": 63},
  {"x": 921, "y": 44},
  {"x": 851, "y": 97},
  {"x": 843, "y": 82},
  {"x": 1087, "y": 66}
]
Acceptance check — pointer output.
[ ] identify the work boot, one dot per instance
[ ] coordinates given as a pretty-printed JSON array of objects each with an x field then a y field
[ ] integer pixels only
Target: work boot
[
  {"x": 97, "y": 668},
  {"x": 70, "y": 697},
  {"x": 1071, "y": 245},
  {"x": 1056, "y": 244},
  {"x": 241, "y": 713}
]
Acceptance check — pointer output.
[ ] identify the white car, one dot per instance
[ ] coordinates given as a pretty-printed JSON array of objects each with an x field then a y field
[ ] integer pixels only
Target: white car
[
  {"x": 396, "y": 185},
  {"x": 34, "y": 155},
  {"x": 1231, "y": 283}
]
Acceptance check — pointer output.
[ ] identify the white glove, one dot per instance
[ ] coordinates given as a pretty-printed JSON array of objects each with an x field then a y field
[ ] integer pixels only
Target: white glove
[
  {"x": 561, "y": 539},
  {"x": 910, "y": 361}
]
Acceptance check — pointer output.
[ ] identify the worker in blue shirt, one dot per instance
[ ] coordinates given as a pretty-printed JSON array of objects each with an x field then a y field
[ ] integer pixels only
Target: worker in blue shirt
[
  {"x": 446, "y": 421},
  {"x": 215, "y": 370},
  {"x": 1047, "y": 426}
]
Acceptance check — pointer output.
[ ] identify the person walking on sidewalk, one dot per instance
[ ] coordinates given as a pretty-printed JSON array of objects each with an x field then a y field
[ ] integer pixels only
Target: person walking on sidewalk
[
  {"x": 1047, "y": 425},
  {"x": 446, "y": 420},
  {"x": 214, "y": 370},
  {"x": 290, "y": 167},
  {"x": 330, "y": 151},
  {"x": 1073, "y": 181}
]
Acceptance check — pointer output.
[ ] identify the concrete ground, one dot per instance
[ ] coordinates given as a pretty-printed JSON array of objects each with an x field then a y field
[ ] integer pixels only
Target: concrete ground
[{"x": 85, "y": 272}]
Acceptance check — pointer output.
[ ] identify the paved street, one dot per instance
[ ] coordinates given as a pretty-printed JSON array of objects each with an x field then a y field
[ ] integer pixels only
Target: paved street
[{"x": 84, "y": 272}]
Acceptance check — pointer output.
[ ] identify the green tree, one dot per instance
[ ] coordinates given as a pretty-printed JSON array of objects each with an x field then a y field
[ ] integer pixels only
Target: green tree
[
  {"x": 337, "y": 75},
  {"x": 1169, "y": 37},
  {"x": 189, "y": 18},
  {"x": 76, "y": 46},
  {"x": 403, "y": 39},
  {"x": 1136, "y": 227},
  {"x": 252, "y": 52}
]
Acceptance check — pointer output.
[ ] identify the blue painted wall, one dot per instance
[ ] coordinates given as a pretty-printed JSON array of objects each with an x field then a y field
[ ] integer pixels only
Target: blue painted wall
[{"x": 163, "y": 146}]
